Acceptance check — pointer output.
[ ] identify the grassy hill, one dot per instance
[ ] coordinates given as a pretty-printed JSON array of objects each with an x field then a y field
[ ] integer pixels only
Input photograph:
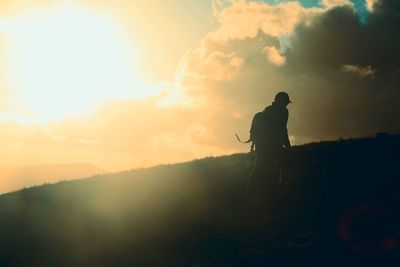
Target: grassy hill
[
  {"x": 339, "y": 207},
  {"x": 13, "y": 178}
]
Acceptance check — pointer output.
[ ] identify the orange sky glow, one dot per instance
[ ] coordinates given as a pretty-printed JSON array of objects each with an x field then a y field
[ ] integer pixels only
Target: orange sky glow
[{"x": 128, "y": 84}]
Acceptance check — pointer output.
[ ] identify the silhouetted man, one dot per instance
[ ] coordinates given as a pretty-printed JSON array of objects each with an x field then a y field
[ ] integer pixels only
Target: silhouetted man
[{"x": 270, "y": 137}]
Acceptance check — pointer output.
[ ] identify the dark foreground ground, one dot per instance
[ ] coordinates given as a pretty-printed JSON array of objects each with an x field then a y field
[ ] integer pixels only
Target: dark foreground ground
[{"x": 340, "y": 207}]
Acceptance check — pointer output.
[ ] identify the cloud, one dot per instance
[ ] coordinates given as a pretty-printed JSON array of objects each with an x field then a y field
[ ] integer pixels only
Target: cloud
[
  {"x": 343, "y": 77},
  {"x": 326, "y": 65},
  {"x": 361, "y": 72},
  {"x": 219, "y": 5},
  {"x": 371, "y": 4},
  {"x": 244, "y": 19},
  {"x": 215, "y": 65},
  {"x": 335, "y": 3},
  {"x": 274, "y": 55}
]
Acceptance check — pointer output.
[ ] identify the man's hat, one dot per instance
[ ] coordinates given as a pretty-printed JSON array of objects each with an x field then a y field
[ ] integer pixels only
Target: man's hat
[{"x": 282, "y": 97}]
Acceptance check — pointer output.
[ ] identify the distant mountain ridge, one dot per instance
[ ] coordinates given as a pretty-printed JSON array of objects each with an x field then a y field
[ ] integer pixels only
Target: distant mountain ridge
[{"x": 15, "y": 178}]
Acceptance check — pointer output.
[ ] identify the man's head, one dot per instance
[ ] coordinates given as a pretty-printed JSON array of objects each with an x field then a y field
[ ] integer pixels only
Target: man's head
[{"x": 282, "y": 99}]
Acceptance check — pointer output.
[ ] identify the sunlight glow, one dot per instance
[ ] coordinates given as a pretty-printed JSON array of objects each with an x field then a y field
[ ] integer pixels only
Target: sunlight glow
[{"x": 66, "y": 60}]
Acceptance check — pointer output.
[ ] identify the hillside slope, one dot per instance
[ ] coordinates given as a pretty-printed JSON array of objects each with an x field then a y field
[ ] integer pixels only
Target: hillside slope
[
  {"x": 339, "y": 208},
  {"x": 15, "y": 178}
]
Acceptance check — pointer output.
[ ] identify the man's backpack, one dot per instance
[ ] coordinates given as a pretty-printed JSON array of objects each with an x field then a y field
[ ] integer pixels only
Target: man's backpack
[{"x": 261, "y": 128}]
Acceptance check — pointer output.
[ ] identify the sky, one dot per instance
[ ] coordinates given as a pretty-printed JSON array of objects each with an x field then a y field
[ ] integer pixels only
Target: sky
[{"x": 127, "y": 84}]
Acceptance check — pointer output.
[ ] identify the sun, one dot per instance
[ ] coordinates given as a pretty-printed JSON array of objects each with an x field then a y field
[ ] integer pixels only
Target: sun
[{"x": 67, "y": 59}]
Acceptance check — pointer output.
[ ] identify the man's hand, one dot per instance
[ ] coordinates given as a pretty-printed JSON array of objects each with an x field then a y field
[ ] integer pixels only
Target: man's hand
[{"x": 288, "y": 146}]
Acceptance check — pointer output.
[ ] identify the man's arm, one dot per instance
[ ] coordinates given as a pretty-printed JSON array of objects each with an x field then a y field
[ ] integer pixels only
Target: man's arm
[{"x": 286, "y": 141}]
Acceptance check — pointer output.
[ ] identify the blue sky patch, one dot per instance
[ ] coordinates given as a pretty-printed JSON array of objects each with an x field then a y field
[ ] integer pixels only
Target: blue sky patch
[{"x": 360, "y": 6}]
